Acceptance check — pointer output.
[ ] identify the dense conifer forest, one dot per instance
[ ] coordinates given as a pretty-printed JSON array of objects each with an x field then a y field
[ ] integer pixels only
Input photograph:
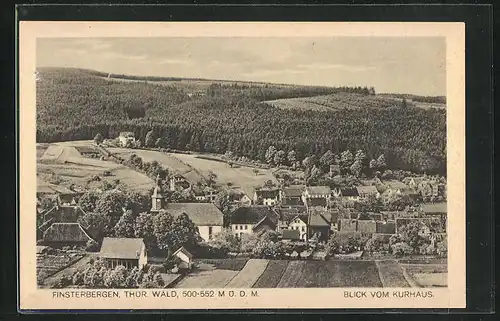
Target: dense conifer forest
[{"x": 74, "y": 104}]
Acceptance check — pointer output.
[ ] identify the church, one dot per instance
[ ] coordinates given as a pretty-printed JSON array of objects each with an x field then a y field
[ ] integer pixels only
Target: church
[{"x": 206, "y": 216}]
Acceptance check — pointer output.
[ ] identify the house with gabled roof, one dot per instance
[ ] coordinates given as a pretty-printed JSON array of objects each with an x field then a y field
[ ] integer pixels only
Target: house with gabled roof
[
  {"x": 185, "y": 257},
  {"x": 367, "y": 191},
  {"x": 65, "y": 234},
  {"x": 269, "y": 196},
  {"x": 318, "y": 225},
  {"x": 129, "y": 252},
  {"x": 206, "y": 216},
  {"x": 349, "y": 193},
  {"x": 292, "y": 195},
  {"x": 253, "y": 219}
]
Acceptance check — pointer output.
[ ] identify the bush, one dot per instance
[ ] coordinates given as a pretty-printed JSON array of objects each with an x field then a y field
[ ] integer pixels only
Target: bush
[
  {"x": 402, "y": 249},
  {"x": 92, "y": 246},
  {"x": 377, "y": 243}
]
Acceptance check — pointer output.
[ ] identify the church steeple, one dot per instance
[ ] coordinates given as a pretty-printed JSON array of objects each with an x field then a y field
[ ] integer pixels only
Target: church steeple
[{"x": 158, "y": 200}]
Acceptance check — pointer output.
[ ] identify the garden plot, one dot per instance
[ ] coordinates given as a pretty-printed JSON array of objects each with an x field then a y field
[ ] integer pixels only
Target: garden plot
[
  {"x": 50, "y": 264},
  {"x": 428, "y": 275},
  {"x": 247, "y": 277},
  {"x": 207, "y": 279},
  {"x": 272, "y": 275},
  {"x": 292, "y": 274},
  {"x": 391, "y": 274}
]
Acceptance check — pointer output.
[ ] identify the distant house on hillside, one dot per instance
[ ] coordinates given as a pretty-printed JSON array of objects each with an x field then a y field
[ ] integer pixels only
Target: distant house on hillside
[
  {"x": 253, "y": 219},
  {"x": 367, "y": 191},
  {"x": 126, "y": 139},
  {"x": 65, "y": 234},
  {"x": 178, "y": 182},
  {"x": 129, "y": 252},
  {"x": 266, "y": 196}
]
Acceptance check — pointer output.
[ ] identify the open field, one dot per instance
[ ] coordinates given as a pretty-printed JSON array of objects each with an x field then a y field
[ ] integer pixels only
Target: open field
[
  {"x": 240, "y": 176},
  {"x": 65, "y": 162},
  {"x": 391, "y": 274},
  {"x": 247, "y": 277},
  {"x": 206, "y": 276},
  {"x": 338, "y": 101},
  {"x": 341, "y": 101},
  {"x": 259, "y": 273},
  {"x": 169, "y": 161},
  {"x": 272, "y": 275},
  {"x": 427, "y": 275}
]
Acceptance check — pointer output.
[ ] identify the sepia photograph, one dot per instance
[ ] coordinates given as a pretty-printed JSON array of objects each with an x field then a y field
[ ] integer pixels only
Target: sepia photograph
[{"x": 242, "y": 162}]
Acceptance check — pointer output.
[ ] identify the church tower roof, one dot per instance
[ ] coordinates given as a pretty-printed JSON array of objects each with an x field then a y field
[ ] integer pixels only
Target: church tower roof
[{"x": 158, "y": 192}]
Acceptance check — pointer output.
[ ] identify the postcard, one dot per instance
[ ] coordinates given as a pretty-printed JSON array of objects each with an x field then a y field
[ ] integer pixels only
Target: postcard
[{"x": 242, "y": 165}]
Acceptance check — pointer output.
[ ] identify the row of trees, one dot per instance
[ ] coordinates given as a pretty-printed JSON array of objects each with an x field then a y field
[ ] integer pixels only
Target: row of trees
[
  {"x": 97, "y": 275},
  {"x": 76, "y": 106}
]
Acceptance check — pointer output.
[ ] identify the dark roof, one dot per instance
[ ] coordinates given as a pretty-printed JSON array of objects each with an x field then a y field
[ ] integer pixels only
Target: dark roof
[
  {"x": 349, "y": 191},
  {"x": 287, "y": 214},
  {"x": 328, "y": 214},
  {"x": 293, "y": 191},
  {"x": 121, "y": 248},
  {"x": 317, "y": 201},
  {"x": 66, "y": 213},
  {"x": 271, "y": 222},
  {"x": 267, "y": 192},
  {"x": 200, "y": 213},
  {"x": 321, "y": 190},
  {"x": 290, "y": 234},
  {"x": 66, "y": 232},
  {"x": 253, "y": 215},
  {"x": 316, "y": 219}
]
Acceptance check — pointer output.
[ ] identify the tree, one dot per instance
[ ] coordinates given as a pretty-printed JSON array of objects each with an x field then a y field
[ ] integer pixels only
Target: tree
[
  {"x": 98, "y": 139},
  {"x": 211, "y": 177},
  {"x": 150, "y": 139},
  {"x": 381, "y": 164},
  {"x": 404, "y": 104},
  {"x": 271, "y": 151},
  {"x": 346, "y": 159},
  {"x": 309, "y": 162},
  {"x": 313, "y": 176},
  {"x": 225, "y": 241},
  {"x": 88, "y": 200},
  {"x": 125, "y": 225},
  {"x": 172, "y": 233},
  {"x": 356, "y": 168},
  {"x": 360, "y": 156},
  {"x": 224, "y": 204},
  {"x": 327, "y": 159},
  {"x": 279, "y": 157},
  {"x": 115, "y": 278},
  {"x": 111, "y": 204},
  {"x": 373, "y": 164},
  {"x": 292, "y": 157},
  {"x": 97, "y": 224},
  {"x": 144, "y": 228},
  {"x": 255, "y": 171}
]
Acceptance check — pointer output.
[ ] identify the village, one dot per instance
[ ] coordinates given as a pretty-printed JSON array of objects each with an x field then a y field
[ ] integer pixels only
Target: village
[{"x": 192, "y": 232}]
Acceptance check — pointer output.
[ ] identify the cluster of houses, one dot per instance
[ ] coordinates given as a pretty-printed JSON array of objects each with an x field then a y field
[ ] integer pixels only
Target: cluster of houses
[{"x": 297, "y": 213}]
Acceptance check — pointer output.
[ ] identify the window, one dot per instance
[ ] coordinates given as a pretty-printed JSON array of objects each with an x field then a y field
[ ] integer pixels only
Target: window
[
  {"x": 246, "y": 227},
  {"x": 209, "y": 232},
  {"x": 303, "y": 229},
  {"x": 241, "y": 227}
]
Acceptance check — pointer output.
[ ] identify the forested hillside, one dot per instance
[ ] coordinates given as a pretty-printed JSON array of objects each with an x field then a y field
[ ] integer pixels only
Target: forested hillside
[{"x": 75, "y": 104}]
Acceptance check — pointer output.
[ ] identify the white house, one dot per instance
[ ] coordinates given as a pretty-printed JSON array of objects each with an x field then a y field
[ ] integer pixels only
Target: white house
[
  {"x": 253, "y": 219},
  {"x": 126, "y": 139},
  {"x": 299, "y": 223},
  {"x": 129, "y": 252},
  {"x": 266, "y": 196},
  {"x": 316, "y": 196},
  {"x": 186, "y": 258}
]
